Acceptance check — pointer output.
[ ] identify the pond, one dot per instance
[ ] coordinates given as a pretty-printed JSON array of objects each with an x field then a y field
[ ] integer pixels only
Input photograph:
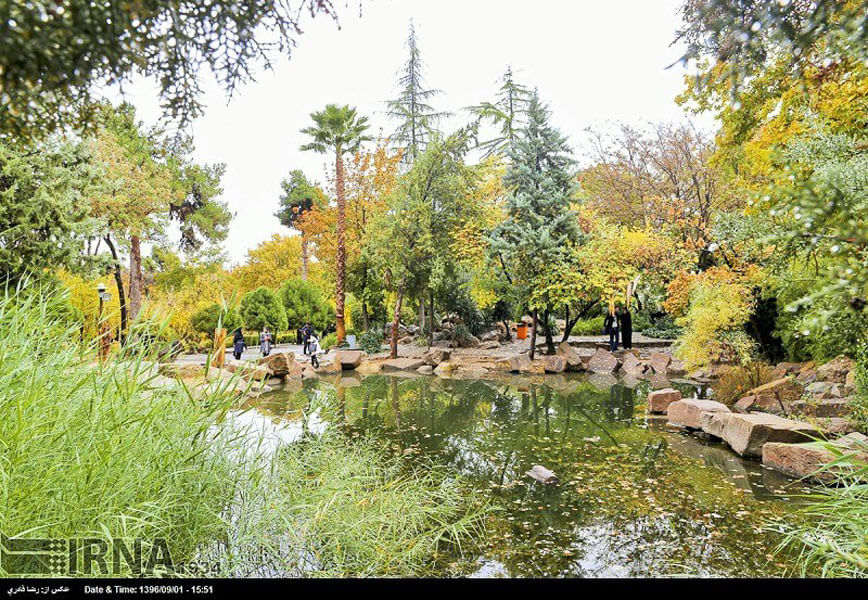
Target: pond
[{"x": 635, "y": 498}]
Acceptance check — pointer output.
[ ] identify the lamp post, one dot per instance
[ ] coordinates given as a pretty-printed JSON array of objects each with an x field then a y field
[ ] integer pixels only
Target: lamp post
[{"x": 104, "y": 341}]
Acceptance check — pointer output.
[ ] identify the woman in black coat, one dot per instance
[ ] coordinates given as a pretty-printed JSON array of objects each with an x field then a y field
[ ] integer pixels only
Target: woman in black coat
[
  {"x": 238, "y": 344},
  {"x": 625, "y": 320}
]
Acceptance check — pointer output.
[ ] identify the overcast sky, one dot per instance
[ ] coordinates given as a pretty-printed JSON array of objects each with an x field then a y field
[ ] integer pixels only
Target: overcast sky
[{"x": 594, "y": 63}]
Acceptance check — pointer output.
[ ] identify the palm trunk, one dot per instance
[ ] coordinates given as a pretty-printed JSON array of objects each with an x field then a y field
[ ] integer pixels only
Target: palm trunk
[
  {"x": 342, "y": 251},
  {"x": 135, "y": 276},
  {"x": 303, "y": 257},
  {"x": 430, "y": 318},
  {"x": 533, "y": 337},
  {"x": 396, "y": 319},
  {"x": 119, "y": 282}
]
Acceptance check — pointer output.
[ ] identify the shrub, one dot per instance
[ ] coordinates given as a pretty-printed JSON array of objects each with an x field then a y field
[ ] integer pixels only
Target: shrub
[
  {"x": 589, "y": 326},
  {"x": 262, "y": 308},
  {"x": 205, "y": 320},
  {"x": 304, "y": 303},
  {"x": 371, "y": 341},
  {"x": 329, "y": 341},
  {"x": 735, "y": 381}
]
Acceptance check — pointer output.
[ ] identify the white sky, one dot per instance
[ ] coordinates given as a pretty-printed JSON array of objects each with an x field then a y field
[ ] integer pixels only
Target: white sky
[{"x": 594, "y": 62}]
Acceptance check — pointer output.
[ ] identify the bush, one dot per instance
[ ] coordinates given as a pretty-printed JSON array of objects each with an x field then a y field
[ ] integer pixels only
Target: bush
[
  {"x": 304, "y": 303},
  {"x": 588, "y": 326},
  {"x": 735, "y": 381},
  {"x": 371, "y": 341},
  {"x": 205, "y": 320},
  {"x": 329, "y": 341},
  {"x": 262, "y": 308}
]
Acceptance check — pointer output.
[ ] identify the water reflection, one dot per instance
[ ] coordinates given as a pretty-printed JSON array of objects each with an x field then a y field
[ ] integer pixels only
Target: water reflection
[{"x": 635, "y": 498}]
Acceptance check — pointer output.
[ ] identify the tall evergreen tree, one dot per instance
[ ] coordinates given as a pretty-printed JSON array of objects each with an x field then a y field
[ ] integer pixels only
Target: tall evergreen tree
[
  {"x": 540, "y": 227},
  {"x": 507, "y": 112},
  {"x": 417, "y": 118},
  {"x": 299, "y": 197}
]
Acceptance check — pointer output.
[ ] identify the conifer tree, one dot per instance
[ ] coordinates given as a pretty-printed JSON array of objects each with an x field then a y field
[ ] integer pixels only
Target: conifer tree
[
  {"x": 417, "y": 118},
  {"x": 540, "y": 227},
  {"x": 508, "y": 112}
]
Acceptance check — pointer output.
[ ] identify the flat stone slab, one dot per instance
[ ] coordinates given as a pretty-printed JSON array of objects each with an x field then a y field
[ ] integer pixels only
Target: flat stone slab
[
  {"x": 349, "y": 359},
  {"x": 660, "y": 362},
  {"x": 603, "y": 361},
  {"x": 746, "y": 434},
  {"x": 403, "y": 364},
  {"x": 805, "y": 460},
  {"x": 543, "y": 475},
  {"x": 659, "y": 400},
  {"x": 686, "y": 413}
]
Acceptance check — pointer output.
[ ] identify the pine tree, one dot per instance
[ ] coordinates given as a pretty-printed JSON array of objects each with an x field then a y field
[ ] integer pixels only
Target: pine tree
[
  {"x": 508, "y": 112},
  {"x": 298, "y": 198},
  {"x": 540, "y": 227},
  {"x": 417, "y": 117}
]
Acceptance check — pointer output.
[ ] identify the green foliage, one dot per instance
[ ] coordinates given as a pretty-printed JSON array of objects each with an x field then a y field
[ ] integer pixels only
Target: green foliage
[
  {"x": 56, "y": 56},
  {"x": 43, "y": 216},
  {"x": 304, "y": 303},
  {"x": 371, "y": 341},
  {"x": 298, "y": 197},
  {"x": 206, "y": 320},
  {"x": 508, "y": 112},
  {"x": 417, "y": 118},
  {"x": 589, "y": 326},
  {"x": 119, "y": 456},
  {"x": 336, "y": 128},
  {"x": 859, "y": 402},
  {"x": 329, "y": 341},
  {"x": 262, "y": 308}
]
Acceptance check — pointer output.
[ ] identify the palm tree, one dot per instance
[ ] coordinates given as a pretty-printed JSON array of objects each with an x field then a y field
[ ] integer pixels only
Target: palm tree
[{"x": 338, "y": 128}]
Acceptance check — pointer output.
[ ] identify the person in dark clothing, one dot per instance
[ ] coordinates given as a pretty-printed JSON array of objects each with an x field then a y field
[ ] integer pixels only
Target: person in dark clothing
[
  {"x": 610, "y": 326},
  {"x": 238, "y": 344},
  {"x": 306, "y": 332},
  {"x": 625, "y": 321}
]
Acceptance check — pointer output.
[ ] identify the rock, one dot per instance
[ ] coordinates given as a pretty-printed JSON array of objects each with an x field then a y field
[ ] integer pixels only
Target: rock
[
  {"x": 402, "y": 364},
  {"x": 425, "y": 369},
  {"x": 806, "y": 459},
  {"x": 632, "y": 365},
  {"x": 787, "y": 368},
  {"x": 687, "y": 413},
  {"x": 470, "y": 371},
  {"x": 572, "y": 356},
  {"x": 806, "y": 376},
  {"x": 603, "y": 361},
  {"x": 490, "y": 336},
  {"x": 308, "y": 372},
  {"x": 746, "y": 434},
  {"x": 776, "y": 396},
  {"x": 602, "y": 381},
  {"x": 275, "y": 381},
  {"x": 660, "y": 400},
  {"x": 823, "y": 389},
  {"x": 850, "y": 382},
  {"x": 331, "y": 367},
  {"x": 835, "y": 370},
  {"x": 834, "y": 426},
  {"x": 435, "y": 356},
  {"x": 406, "y": 340},
  {"x": 518, "y": 363},
  {"x": 676, "y": 368},
  {"x": 282, "y": 364},
  {"x": 660, "y": 362},
  {"x": 554, "y": 364},
  {"x": 182, "y": 370},
  {"x": 369, "y": 367},
  {"x": 444, "y": 369},
  {"x": 349, "y": 359},
  {"x": 248, "y": 369},
  {"x": 543, "y": 475},
  {"x": 660, "y": 382},
  {"x": 490, "y": 345}
]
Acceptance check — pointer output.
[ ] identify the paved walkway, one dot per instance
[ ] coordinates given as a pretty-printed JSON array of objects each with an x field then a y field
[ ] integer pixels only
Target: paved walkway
[{"x": 250, "y": 353}]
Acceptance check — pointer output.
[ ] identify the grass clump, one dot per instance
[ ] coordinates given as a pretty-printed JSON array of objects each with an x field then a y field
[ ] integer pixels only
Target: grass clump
[{"x": 735, "y": 381}]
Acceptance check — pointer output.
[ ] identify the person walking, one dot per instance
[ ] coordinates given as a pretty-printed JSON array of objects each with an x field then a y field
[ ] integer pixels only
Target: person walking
[
  {"x": 610, "y": 326},
  {"x": 313, "y": 347},
  {"x": 238, "y": 344},
  {"x": 265, "y": 342},
  {"x": 306, "y": 333},
  {"x": 625, "y": 321}
]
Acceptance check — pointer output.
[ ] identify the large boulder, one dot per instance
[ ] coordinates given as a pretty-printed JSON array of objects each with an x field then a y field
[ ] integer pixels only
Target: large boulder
[
  {"x": 282, "y": 364},
  {"x": 676, "y": 368},
  {"x": 603, "y": 361},
  {"x": 518, "y": 363},
  {"x": 348, "y": 359},
  {"x": 572, "y": 356},
  {"x": 632, "y": 365},
  {"x": 776, "y": 396},
  {"x": 403, "y": 364},
  {"x": 835, "y": 370},
  {"x": 248, "y": 369},
  {"x": 659, "y": 400},
  {"x": 369, "y": 367},
  {"x": 806, "y": 460},
  {"x": 660, "y": 362},
  {"x": 687, "y": 413},
  {"x": 746, "y": 434},
  {"x": 554, "y": 364},
  {"x": 787, "y": 368}
]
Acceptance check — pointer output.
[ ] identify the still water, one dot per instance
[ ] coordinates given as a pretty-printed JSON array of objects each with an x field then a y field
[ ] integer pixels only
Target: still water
[{"x": 635, "y": 498}]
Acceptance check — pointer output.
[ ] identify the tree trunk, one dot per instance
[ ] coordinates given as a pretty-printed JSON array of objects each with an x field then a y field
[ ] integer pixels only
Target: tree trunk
[
  {"x": 119, "y": 281},
  {"x": 303, "y": 257},
  {"x": 568, "y": 325},
  {"x": 396, "y": 320},
  {"x": 342, "y": 251},
  {"x": 550, "y": 343},
  {"x": 506, "y": 326},
  {"x": 533, "y": 337},
  {"x": 430, "y": 318},
  {"x": 136, "y": 283},
  {"x": 422, "y": 312}
]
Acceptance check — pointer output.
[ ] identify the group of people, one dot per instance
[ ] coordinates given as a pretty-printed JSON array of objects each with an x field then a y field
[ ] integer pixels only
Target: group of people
[
  {"x": 619, "y": 321},
  {"x": 309, "y": 343},
  {"x": 239, "y": 345}
]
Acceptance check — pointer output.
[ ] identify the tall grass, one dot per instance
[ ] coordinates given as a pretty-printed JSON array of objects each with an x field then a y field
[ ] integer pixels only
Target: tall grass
[
  {"x": 834, "y": 539},
  {"x": 90, "y": 449}
]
